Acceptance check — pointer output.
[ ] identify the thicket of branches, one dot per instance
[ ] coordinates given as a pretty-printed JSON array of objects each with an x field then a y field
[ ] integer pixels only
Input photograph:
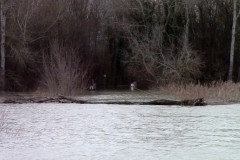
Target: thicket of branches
[
  {"x": 64, "y": 72},
  {"x": 151, "y": 42}
]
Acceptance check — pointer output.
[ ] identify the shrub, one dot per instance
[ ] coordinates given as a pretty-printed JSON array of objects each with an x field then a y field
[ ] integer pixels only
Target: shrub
[{"x": 64, "y": 72}]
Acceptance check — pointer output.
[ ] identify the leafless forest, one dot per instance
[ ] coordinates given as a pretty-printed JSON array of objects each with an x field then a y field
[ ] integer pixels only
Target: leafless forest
[{"x": 63, "y": 45}]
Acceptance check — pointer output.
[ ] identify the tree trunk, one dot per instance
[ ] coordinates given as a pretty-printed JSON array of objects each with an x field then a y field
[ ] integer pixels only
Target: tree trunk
[
  {"x": 3, "y": 33},
  {"x": 162, "y": 25},
  {"x": 238, "y": 80},
  {"x": 186, "y": 35},
  {"x": 230, "y": 73}
]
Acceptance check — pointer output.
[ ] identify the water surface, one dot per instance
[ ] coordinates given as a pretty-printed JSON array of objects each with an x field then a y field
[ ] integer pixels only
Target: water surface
[{"x": 118, "y": 132}]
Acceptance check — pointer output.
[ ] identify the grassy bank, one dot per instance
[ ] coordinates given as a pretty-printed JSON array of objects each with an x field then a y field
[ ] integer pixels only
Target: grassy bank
[{"x": 216, "y": 92}]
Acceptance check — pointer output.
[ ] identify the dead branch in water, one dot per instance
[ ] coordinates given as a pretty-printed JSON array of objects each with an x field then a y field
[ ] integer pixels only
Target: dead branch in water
[{"x": 62, "y": 99}]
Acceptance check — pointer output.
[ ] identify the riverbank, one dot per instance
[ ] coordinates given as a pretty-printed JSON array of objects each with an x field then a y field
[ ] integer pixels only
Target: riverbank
[{"x": 127, "y": 96}]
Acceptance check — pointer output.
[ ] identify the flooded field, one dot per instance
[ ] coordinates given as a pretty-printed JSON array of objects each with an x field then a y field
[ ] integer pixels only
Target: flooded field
[{"x": 118, "y": 132}]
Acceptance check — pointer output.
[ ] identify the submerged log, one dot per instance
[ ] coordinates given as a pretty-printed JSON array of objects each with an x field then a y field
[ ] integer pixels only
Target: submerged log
[
  {"x": 59, "y": 99},
  {"x": 62, "y": 99},
  {"x": 193, "y": 102}
]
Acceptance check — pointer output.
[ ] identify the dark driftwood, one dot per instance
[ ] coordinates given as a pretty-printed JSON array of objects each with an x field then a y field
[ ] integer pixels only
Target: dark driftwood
[
  {"x": 62, "y": 99},
  {"x": 59, "y": 99}
]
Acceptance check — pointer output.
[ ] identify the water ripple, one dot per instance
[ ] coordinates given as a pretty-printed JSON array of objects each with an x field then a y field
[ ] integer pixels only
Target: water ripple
[{"x": 112, "y": 132}]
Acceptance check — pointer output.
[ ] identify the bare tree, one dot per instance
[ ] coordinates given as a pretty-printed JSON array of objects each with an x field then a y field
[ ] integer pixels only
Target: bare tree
[
  {"x": 232, "y": 50},
  {"x": 21, "y": 14},
  {"x": 145, "y": 39},
  {"x": 3, "y": 35},
  {"x": 146, "y": 34},
  {"x": 187, "y": 18}
]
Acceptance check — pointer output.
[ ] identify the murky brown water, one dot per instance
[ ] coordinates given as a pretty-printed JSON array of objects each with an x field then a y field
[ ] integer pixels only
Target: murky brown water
[{"x": 113, "y": 132}]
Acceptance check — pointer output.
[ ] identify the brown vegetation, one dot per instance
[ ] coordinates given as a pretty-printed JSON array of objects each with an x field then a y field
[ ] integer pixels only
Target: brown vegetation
[
  {"x": 64, "y": 71},
  {"x": 219, "y": 92}
]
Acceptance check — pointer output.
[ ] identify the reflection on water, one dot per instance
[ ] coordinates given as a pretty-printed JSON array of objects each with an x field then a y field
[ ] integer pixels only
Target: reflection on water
[{"x": 112, "y": 132}]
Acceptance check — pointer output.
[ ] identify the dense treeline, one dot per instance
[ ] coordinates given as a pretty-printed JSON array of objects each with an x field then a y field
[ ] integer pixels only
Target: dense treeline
[{"x": 66, "y": 44}]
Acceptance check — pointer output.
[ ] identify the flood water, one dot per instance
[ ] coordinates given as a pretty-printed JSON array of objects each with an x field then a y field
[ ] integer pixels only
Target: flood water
[{"x": 118, "y": 132}]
